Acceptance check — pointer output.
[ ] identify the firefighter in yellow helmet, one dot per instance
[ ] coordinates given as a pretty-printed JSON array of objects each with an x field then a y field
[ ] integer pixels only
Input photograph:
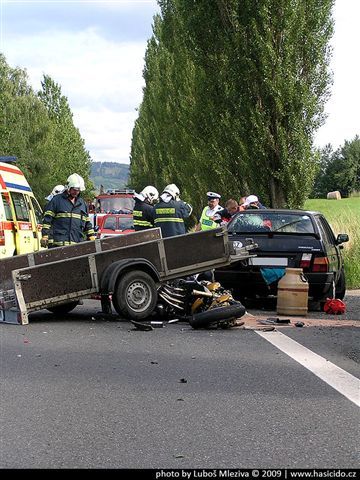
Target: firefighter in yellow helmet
[{"x": 66, "y": 219}]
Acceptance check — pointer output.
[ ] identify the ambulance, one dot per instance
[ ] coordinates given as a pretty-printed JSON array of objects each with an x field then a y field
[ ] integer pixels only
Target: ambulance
[{"x": 20, "y": 213}]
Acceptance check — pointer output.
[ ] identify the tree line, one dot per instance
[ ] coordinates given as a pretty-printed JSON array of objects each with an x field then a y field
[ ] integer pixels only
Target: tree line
[
  {"x": 234, "y": 93},
  {"x": 38, "y": 128},
  {"x": 338, "y": 170}
]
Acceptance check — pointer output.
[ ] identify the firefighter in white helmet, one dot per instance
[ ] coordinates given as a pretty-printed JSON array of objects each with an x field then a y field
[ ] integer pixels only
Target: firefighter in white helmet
[
  {"x": 55, "y": 191},
  {"x": 66, "y": 219},
  {"x": 143, "y": 213},
  {"x": 170, "y": 212}
]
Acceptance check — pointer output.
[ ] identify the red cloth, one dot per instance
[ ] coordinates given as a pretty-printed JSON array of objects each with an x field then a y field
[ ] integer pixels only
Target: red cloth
[{"x": 334, "y": 306}]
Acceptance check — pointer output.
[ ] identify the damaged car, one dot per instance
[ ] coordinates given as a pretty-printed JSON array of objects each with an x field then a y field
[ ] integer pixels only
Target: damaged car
[{"x": 285, "y": 238}]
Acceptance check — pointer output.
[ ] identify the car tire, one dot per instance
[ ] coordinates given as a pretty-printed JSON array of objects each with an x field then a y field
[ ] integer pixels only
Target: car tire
[
  {"x": 340, "y": 287},
  {"x": 135, "y": 295},
  {"x": 64, "y": 308},
  {"x": 204, "y": 319}
]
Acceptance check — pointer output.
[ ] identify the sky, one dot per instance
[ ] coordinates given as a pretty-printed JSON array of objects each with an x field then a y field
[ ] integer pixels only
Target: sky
[{"x": 95, "y": 51}]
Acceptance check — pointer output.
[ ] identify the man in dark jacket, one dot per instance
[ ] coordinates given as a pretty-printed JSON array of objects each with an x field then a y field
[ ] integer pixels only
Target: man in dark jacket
[
  {"x": 171, "y": 211},
  {"x": 144, "y": 212},
  {"x": 66, "y": 219}
]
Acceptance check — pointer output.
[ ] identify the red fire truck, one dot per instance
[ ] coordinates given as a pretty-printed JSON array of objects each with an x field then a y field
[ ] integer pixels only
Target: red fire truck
[{"x": 116, "y": 201}]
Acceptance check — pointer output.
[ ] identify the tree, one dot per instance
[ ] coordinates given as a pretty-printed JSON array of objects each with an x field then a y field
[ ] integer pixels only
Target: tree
[
  {"x": 38, "y": 129},
  {"x": 24, "y": 126},
  {"x": 340, "y": 170},
  {"x": 68, "y": 154},
  {"x": 234, "y": 94}
]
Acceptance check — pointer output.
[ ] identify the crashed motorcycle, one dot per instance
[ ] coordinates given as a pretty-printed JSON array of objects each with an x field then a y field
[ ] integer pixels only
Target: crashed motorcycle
[{"x": 202, "y": 303}]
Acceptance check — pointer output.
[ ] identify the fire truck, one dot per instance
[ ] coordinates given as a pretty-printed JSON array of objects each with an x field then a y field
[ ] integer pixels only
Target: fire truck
[{"x": 112, "y": 201}]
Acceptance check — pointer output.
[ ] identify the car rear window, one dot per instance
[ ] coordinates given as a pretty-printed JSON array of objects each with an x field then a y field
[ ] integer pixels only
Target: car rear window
[{"x": 263, "y": 222}]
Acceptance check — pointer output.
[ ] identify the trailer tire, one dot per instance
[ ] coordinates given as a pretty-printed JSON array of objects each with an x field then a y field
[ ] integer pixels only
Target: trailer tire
[
  {"x": 64, "y": 308},
  {"x": 205, "y": 319},
  {"x": 135, "y": 295}
]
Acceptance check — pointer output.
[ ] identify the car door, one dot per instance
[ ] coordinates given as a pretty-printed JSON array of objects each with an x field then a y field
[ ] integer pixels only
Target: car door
[
  {"x": 36, "y": 218},
  {"x": 332, "y": 249},
  {"x": 24, "y": 235}
]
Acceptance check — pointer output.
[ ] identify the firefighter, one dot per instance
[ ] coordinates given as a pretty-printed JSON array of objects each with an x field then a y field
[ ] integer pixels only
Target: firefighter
[
  {"x": 55, "y": 191},
  {"x": 144, "y": 212},
  {"x": 171, "y": 211},
  {"x": 66, "y": 219}
]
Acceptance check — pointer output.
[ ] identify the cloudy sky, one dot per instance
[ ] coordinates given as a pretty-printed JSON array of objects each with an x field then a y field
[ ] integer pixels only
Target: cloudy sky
[{"x": 95, "y": 51}]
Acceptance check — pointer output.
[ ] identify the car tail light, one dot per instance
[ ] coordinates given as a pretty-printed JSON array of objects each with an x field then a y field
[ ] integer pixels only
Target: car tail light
[
  {"x": 2, "y": 237},
  {"x": 321, "y": 264},
  {"x": 305, "y": 261}
]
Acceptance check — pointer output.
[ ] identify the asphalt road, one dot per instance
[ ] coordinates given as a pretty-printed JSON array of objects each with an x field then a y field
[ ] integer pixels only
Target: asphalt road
[
  {"x": 86, "y": 392},
  {"x": 351, "y": 300}
]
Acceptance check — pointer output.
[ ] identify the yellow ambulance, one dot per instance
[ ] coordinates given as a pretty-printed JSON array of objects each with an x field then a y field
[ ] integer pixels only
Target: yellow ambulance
[{"x": 20, "y": 213}]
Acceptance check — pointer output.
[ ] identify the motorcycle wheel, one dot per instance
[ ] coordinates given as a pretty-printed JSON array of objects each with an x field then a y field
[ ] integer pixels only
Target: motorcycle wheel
[{"x": 205, "y": 319}]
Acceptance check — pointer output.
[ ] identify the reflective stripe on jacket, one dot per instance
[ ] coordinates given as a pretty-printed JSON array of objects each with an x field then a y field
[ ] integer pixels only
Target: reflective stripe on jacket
[
  {"x": 169, "y": 216},
  {"x": 143, "y": 215},
  {"x": 65, "y": 222}
]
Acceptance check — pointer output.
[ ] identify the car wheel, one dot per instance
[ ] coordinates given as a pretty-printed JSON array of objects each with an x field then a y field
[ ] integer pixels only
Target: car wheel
[
  {"x": 135, "y": 295},
  {"x": 340, "y": 287},
  {"x": 64, "y": 308}
]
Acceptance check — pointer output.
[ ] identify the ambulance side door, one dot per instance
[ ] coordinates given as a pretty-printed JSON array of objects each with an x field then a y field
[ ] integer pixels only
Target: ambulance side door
[
  {"x": 36, "y": 218},
  {"x": 24, "y": 235},
  {"x": 7, "y": 231}
]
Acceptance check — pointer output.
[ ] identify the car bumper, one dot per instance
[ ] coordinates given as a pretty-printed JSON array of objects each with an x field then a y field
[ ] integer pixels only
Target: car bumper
[{"x": 252, "y": 284}]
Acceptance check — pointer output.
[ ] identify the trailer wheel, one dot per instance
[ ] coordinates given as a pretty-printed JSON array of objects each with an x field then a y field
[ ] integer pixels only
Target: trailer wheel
[
  {"x": 135, "y": 295},
  {"x": 64, "y": 308}
]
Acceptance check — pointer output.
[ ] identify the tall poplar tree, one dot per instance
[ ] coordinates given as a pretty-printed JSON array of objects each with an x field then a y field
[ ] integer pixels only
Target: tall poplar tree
[{"x": 234, "y": 93}]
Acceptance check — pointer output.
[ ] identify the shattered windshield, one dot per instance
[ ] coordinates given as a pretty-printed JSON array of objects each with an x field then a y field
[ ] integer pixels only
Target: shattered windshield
[{"x": 264, "y": 222}]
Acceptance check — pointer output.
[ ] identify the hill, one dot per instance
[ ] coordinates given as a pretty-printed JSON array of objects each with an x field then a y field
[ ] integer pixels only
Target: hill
[{"x": 109, "y": 174}]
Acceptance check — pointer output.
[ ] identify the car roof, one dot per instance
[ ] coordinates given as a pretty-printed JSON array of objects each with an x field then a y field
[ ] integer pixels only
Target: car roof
[{"x": 280, "y": 210}]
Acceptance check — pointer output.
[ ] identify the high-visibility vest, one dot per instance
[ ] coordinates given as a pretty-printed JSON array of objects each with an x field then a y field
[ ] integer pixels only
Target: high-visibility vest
[{"x": 205, "y": 222}]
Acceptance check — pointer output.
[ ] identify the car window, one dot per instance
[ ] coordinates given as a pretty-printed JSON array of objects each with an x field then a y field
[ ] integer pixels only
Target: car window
[
  {"x": 21, "y": 208},
  {"x": 116, "y": 205},
  {"x": 110, "y": 223},
  {"x": 126, "y": 223},
  {"x": 265, "y": 221},
  {"x": 326, "y": 232},
  {"x": 37, "y": 210},
  {"x": 7, "y": 207}
]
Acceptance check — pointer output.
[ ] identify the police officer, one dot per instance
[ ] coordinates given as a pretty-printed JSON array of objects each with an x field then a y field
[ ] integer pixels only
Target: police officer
[
  {"x": 171, "y": 211},
  {"x": 144, "y": 213},
  {"x": 210, "y": 213},
  {"x": 66, "y": 217}
]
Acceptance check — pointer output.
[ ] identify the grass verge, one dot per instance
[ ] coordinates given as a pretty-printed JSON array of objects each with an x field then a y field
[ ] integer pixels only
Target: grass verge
[{"x": 344, "y": 217}]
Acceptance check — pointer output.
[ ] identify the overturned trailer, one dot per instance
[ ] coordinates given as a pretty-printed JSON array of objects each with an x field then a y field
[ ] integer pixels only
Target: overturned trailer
[{"x": 128, "y": 269}]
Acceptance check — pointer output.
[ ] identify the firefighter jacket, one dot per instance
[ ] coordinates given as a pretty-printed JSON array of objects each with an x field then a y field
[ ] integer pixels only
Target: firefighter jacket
[
  {"x": 169, "y": 216},
  {"x": 143, "y": 215},
  {"x": 66, "y": 223}
]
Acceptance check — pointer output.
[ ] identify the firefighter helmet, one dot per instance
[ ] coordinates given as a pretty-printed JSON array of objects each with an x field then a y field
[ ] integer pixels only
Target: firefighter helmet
[
  {"x": 172, "y": 190},
  {"x": 150, "y": 194},
  {"x": 75, "y": 181}
]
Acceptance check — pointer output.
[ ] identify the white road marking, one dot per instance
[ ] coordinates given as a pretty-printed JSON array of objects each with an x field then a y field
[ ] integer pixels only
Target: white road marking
[{"x": 336, "y": 377}]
